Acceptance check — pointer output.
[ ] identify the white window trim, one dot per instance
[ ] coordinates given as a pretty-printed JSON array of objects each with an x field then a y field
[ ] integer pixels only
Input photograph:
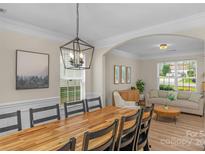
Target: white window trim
[{"x": 175, "y": 77}]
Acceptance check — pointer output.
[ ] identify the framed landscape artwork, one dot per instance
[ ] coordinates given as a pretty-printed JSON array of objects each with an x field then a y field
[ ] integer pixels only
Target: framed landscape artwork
[
  {"x": 32, "y": 70},
  {"x": 116, "y": 74},
  {"x": 123, "y": 74},
  {"x": 128, "y": 76}
]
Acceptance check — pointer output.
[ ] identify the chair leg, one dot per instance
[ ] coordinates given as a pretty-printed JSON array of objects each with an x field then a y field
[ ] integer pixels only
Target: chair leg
[{"x": 146, "y": 147}]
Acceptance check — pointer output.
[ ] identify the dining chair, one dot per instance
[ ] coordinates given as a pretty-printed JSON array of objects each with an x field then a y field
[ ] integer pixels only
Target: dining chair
[
  {"x": 34, "y": 121},
  {"x": 143, "y": 130},
  {"x": 17, "y": 126},
  {"x": 74, "y": 107},
  {"x": 127, "y": 135},
  {"x": 70, "y": 146},
  {"x": 105, "y": 146},
  {"x": 93, "y": 100}
]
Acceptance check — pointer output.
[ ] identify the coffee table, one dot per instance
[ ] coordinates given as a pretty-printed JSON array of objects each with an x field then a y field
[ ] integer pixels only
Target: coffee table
[{"x": 162, "y": 111}]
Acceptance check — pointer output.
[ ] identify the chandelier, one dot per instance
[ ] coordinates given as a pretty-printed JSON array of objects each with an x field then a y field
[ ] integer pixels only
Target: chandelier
[{"x": 77, "y": 54}]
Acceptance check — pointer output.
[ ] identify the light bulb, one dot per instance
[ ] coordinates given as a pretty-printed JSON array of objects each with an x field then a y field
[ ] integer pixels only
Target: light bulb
[
  {"x": 71, "y": 55},
  {"x": 81, "y": 55}
]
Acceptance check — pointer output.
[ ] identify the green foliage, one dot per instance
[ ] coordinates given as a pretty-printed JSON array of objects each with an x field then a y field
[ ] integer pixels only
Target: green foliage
[
  {"x": 166, "y": 87},
  {"x": 186, "y": 88},
  {"x": 69, "y": 94},
  {"x": 166, "y": 69},
  {"x": 191, "y": 73},
  {"x": 140, "y": 85},
  {"x": 187, "y": 80}
]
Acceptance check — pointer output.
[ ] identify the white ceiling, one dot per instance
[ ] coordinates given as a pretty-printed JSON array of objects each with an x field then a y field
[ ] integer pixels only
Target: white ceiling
[
  {"x": 148, "y": 46},
  {"x": 98, "y": 21}
]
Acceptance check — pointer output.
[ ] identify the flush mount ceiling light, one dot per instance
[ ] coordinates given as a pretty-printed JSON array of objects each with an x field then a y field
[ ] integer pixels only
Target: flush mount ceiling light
[
  {"x": 163, "y": 46},
  {"x": 77, "y": 54}
]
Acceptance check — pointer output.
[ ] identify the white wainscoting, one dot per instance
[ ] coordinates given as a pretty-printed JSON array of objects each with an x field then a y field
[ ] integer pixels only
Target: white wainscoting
[{"x": 24, "y": 107}]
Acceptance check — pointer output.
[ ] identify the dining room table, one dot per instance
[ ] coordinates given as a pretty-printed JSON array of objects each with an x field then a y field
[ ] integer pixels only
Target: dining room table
[{"x": 53, "y": 135}]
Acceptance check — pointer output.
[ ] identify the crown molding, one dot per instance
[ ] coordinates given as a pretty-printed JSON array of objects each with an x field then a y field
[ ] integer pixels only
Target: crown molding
[
  {"x": 172, "y": 56},
  {"x": 172, "y": 27},
  {"x": 29, "y": 29},
  {"x": 168, "y": 55}
]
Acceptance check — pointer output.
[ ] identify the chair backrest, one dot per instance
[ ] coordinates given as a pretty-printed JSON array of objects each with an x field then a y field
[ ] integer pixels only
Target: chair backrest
[
  {"x": 89, "y": 101},
  {"x": 108, "y": 145},
  {"x": 40, "y": 120},
  {"x": 143, "y": 131},
  {"x": 79, "y": 105},
  {"x": 70, "y": 146},
  {"x": 127, "y": 135},
  {"x": 17, "y": 126}
]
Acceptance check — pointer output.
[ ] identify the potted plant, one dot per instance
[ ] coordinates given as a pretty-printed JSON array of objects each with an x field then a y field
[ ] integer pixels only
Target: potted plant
[{"x": 140, "y": 86}]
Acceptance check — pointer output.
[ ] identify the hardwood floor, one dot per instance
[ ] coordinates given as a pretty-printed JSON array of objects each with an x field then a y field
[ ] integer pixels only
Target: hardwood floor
[{"x": 187, "y": 134}]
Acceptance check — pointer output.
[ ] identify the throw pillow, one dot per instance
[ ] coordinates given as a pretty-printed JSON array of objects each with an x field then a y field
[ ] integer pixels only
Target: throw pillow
[
  {"x": 184, "y": 95},
  {"x": 195, "y": 97},
  {"x": 154, "y": 94},
  {"x": 163, "y": 94},
  {"x": 174, "y": 93}
]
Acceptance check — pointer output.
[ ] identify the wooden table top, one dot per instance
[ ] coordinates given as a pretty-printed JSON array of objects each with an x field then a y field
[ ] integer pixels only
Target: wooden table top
[
  {"x": 53, "y": 135},
  {"x": 171, "y": 111}
]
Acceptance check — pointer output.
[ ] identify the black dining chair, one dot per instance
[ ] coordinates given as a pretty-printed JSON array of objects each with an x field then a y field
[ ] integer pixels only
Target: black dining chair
[
  {"x": 127, "y": 135},
  {"x": 17, "y": 126},
  {"x": 70, "y": 146},
  {"x": 74, "y": 108},
  {"x": 89, "y": 104},
  {"x": 34, "y": 121},
  {"x": 105, "y": 146},
  {"x": 143, "y": 131}
]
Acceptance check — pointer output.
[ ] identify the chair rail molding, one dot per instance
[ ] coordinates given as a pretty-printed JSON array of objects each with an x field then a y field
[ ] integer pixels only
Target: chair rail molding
[{"x": 24, "y": 107}]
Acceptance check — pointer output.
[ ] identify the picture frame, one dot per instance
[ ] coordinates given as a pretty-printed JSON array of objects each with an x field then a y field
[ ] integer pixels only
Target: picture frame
[
  {"x": 123, "y": 74},
  {"x": 32, "y": 70},
  {"x": 117, "y": 74},
  {"x": 128, "y": 74}
]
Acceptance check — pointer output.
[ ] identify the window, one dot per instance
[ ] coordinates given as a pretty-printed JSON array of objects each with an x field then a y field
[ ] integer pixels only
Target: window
[
  {"x": 179, "y": 75},
  {"x": 71, "y": 84}
]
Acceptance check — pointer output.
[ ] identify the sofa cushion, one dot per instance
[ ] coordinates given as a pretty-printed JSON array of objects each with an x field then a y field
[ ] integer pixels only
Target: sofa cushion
[
  {"x": 195, "y": 97},
  {"x": 158, "y": 101},
  {"x": 154, "y": 94},
  {"x": 176, "y": 103},
  {"x": 163, "y": 93},
  {"x": 183, "y": 95},
  {"x": 184, "y": 104}
]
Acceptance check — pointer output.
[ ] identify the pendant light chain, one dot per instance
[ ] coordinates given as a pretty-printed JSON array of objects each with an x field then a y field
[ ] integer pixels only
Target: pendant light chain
[{"x": 77, "y": 22}]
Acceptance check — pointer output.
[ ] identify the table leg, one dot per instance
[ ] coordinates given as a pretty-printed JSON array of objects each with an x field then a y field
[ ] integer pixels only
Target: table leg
[{"x": 157, "y": 117}]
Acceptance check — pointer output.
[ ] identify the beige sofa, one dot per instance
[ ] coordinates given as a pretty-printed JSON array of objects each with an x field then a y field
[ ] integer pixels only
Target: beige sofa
[{"x": 183, "y": 101}]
